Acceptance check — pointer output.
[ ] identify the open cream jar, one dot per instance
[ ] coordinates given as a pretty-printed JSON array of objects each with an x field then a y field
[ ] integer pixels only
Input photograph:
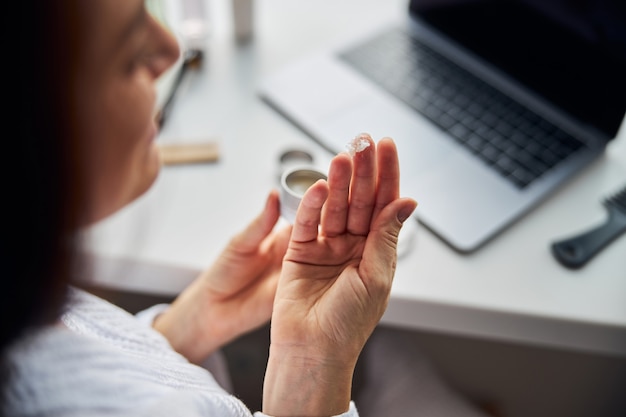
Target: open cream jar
[{"x": 293, "y": 184}]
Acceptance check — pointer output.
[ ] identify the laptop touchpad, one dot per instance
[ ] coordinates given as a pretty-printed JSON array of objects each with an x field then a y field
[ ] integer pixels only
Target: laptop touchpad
[{"x": 421, "y": 146}]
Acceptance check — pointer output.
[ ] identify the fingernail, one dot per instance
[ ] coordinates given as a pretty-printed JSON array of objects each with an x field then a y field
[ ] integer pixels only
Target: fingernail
[{"x": 405, "y": 213}]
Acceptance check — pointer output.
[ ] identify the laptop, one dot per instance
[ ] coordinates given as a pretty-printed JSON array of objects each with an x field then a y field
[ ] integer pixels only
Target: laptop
[{"x": 492, "y": 104}]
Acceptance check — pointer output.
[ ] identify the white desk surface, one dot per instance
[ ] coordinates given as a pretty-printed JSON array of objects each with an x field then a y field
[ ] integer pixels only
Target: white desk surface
[{"x": 510, "y": 290}]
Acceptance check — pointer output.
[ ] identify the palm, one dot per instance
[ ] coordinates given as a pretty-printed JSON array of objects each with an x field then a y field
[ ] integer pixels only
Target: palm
[
  {"x": 320, "y": 263},
  {"x": 242, "y": 265},
  {"x": 324, "y": 277},
  {"x": 242, "y": 282}
]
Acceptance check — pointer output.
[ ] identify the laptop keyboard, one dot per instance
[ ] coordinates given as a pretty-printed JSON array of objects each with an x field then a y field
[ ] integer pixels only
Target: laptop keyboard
[{"x": 505, "y": 135}]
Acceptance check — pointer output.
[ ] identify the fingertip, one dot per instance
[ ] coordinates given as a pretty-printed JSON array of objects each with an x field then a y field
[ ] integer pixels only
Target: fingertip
[
  {"x": 387, "y": 140},
  {"x": 272, "y": 203},
  {"x": 308, "y": 216},
  {"x": 271, "y": 211},
  {"x": 362, "y": 144},
  {"x": 406, "y": 210},
  {"x": 342, "y": 158},
  {"x": 387, "y": 148},
  {"x": 261, "y": 225},
  {"x": 320, "y": 191},
  {"x": 340, "y": 166},
  {"x": 315, "y": 196},
  {"x": 272, "y": 197}
]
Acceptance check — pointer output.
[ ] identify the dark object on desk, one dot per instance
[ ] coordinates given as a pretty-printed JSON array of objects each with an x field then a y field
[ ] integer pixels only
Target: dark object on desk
[
  {"x": 576, "y": 251},
  {"x": 192, "y": 59}
]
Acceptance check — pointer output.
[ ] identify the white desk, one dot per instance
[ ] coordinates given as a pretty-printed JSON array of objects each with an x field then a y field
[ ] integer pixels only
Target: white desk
[{"x": 511, "y": 290}]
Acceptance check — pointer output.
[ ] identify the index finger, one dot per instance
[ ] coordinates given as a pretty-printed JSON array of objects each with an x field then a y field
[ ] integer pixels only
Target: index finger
[{"x": 308, "y": 216}]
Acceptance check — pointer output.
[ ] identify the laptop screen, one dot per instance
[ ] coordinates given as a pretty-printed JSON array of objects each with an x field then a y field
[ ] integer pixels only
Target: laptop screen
[{"x": 571, "y": 52}]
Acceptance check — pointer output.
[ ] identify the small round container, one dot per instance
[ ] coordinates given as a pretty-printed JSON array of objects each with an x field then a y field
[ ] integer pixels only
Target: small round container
[
  {"x": 293, "y": 184},
  {"x": 293, "y": 158}
]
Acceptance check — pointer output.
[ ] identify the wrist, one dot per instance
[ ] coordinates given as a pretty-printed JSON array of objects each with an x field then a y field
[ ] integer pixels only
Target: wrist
[
  {"x": 177, "y": 330},
  {"x": 189, "y": 331},
  {"x": 300, "y": 381}
]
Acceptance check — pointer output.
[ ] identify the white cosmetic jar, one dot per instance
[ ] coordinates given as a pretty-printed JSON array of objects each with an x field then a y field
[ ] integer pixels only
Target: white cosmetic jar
[{"x": 293, "y": 184}]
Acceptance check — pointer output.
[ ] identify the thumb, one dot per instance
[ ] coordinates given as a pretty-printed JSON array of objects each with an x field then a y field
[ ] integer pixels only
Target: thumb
[
  {"x": 379, "y": 254},
  {"x": 251, "y": 237}
]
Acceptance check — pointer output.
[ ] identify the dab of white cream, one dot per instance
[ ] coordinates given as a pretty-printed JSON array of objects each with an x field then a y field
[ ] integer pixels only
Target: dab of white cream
[{"x": 358, "y": 144}]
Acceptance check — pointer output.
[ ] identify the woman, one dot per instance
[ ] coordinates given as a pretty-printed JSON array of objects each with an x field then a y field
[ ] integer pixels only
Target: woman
[{"x": 89, "y": 136}]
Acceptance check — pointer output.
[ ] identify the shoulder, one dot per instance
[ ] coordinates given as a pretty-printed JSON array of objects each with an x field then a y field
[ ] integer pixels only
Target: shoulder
[{"x": 61, "y": 371}]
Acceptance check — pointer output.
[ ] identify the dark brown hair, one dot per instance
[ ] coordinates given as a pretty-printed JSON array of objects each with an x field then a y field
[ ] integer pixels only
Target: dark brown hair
[{"x": 44, "y": 195}]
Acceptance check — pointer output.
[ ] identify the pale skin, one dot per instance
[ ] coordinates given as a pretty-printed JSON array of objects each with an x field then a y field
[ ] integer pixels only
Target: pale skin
[{"x": 324, "y": 282}]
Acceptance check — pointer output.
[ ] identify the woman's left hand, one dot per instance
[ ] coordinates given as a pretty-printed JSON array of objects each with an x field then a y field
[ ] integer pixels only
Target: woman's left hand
[{"x": 232, "y": 297}]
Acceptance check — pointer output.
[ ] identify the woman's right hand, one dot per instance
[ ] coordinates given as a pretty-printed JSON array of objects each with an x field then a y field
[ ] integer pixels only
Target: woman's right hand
[{"x": 335, "y": 282}]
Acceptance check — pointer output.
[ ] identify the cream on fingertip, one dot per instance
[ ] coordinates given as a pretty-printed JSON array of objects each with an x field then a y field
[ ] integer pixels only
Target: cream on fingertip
[{"x": 358, "y": 144}]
